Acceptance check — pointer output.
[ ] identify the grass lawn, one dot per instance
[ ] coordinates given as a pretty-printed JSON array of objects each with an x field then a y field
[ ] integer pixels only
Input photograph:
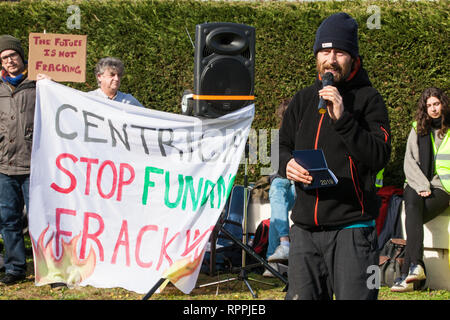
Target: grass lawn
[{"x": 232, "y": 290}]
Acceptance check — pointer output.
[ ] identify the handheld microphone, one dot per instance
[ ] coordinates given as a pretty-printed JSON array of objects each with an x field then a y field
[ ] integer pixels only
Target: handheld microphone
[{"x": 327, "y": 80}]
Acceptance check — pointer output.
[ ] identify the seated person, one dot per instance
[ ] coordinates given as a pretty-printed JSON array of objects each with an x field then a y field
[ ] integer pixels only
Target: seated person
[
  {"x": 427, "y": 173},
  {"x": 282, "y": 198}
]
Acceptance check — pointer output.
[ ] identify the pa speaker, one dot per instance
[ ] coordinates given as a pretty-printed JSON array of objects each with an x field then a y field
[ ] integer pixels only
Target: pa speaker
[{"x": 224, "y": 67}]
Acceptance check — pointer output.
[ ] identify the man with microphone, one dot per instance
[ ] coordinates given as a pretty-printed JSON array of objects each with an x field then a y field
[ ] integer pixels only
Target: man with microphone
[{"x": 333, "y": 251}]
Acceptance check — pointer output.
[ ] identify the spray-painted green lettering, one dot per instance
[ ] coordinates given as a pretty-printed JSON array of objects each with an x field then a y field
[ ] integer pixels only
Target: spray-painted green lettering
[
  {"x": 148, "y": 183},
  {"x": 180, "y": 191},
  {"x": 208, "y": 194},
  {"x": 189, "y": 191},
  {"x": 189, "y": 188}
]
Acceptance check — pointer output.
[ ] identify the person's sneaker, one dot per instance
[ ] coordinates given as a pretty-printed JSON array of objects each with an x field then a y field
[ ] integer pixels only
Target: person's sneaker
[
  {"x": 58, "y": 285},
  {"x": 400, "y": 285},
  {"x": 281, "y": 254},
  {"x": 10, "y": 279},
  {"x": 416, "y": 273},
  {"x": 267, "y": 273}
]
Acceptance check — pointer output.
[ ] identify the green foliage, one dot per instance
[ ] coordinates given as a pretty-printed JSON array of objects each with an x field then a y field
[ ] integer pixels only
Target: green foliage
[{"x": 408, "y": 53}]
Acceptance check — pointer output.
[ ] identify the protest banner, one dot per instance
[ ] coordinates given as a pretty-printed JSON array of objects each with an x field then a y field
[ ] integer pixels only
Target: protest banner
[
  {"x": 122, "y": 196},
  {"x": 60, "y": 56}
]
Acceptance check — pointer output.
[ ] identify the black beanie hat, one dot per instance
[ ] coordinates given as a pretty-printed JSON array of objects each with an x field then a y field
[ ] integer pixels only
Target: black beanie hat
[
  {"x": 8, "y": 42},
  {"x": 339, "y": 31}
]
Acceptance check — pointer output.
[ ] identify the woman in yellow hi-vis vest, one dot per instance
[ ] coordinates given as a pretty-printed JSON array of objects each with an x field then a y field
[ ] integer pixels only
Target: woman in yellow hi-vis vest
[{"x": 427, "y": 172}]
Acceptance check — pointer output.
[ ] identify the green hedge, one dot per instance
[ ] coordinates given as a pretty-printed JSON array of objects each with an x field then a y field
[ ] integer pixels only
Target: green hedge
[{"x": 408, "y": 53}]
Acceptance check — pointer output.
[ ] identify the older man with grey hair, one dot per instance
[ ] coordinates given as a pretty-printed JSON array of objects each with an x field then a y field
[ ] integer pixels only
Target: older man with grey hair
[{"x": 109, "y": 72}]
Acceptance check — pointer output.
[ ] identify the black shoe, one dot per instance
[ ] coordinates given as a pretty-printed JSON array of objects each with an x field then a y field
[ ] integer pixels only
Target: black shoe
[
  {"x": 10, "y": 279},
  {"x": 58, "y": 285}
]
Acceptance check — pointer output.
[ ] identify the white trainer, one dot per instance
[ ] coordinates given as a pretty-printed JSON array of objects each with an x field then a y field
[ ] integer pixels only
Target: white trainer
[
  {"x": 267, "y": 273},
  {"x": 400, "y": 285},
  {"x": 281, "y": 254},
  {"x": 416, "y": 273}
]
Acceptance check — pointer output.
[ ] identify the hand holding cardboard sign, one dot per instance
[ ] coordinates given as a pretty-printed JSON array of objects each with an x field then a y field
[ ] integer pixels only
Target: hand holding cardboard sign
[{"x": 41, "y": 76}]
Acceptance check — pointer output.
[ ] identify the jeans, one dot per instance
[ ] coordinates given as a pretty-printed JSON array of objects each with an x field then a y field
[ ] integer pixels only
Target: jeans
[
  {"x": 282, "y": 198},
  {"x": 13, "y": 195}
]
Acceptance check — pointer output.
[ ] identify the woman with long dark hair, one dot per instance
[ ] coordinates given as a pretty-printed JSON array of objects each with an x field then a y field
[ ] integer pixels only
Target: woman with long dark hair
[{"x": 427, "y": 172}]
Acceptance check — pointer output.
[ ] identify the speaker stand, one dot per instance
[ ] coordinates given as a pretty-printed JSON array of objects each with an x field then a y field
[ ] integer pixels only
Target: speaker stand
[{"x": 243, "y": 274}]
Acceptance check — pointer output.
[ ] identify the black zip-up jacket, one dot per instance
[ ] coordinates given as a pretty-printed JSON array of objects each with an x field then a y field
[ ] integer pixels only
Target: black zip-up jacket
[{"x": 356, "y": 147}]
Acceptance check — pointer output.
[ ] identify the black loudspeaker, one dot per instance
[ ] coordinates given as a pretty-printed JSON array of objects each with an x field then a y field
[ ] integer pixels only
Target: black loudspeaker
[{"x": 224, "y": 68}]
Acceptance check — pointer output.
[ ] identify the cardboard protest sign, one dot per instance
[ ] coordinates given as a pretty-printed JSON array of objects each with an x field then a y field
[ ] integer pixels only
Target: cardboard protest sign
[
  {"x": 122, "y": 196},
  {"x": 60, "y": 56}
]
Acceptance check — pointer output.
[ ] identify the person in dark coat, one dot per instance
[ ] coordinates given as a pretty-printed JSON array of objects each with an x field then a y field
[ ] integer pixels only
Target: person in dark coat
[
  {"x": 333, "y": 251},
  {"x": 17, "y": 101}
]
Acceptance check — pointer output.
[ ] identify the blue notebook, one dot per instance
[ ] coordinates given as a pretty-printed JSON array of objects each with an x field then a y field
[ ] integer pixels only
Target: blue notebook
[{"x": 314, "y": 161}]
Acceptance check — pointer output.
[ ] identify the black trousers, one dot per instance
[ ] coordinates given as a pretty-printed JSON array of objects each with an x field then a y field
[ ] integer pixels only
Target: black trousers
[
  {"x": 333, "y": 262},
  {"x": 420, "y": 210}
]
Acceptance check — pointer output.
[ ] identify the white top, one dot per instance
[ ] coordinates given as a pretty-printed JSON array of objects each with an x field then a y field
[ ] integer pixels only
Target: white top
[{"x": 120, "y": 97}]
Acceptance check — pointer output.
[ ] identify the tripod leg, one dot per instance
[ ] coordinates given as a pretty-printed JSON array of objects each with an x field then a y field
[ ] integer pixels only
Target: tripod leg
[
  {"x": 153, "y": 290},
  {"x": 255, "y": 255},
  {"x": 262, "y": 282},
  {"x": 250, "y": 288},
  {"x": 216, "y": 282}
]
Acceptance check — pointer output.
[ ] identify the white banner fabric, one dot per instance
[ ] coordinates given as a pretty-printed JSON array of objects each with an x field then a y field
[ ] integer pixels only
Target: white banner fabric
[{"x": 122, "y": 196}]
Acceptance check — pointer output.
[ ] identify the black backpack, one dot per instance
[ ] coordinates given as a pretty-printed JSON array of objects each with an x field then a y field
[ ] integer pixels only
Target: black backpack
[
  {"x": 391, "y": 261},
  {"x": 261, "y": 240},
  {"x": 392, "y": 227},
  {"x": 392, "y": 257}
]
